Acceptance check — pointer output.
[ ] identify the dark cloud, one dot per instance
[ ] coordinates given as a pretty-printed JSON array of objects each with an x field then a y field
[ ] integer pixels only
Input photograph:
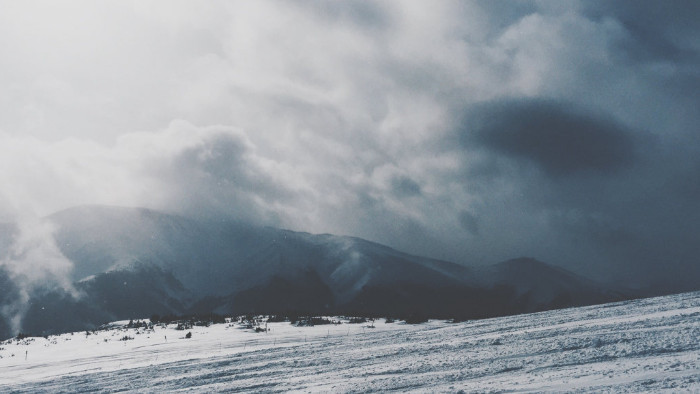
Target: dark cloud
[
  {"x": 403, "y": 186},
  {"x": 662, "y": 30},
  {"x": 502, "y": 14},
  {"x": 558, "y": 139},
  {"x": 469, "y": 222},
  {"x": 646, "y": 45}
]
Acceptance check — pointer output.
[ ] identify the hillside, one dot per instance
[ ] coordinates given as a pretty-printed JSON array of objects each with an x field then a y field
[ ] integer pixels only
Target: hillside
[
  {"x": 540, "y": 286},
  {"x": 130, "y": 262},
  {"x": 645, "y": 345}
]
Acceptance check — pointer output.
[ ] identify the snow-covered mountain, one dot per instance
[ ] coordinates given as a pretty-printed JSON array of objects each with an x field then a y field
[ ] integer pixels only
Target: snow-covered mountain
[
  {"x": 130, "y": 262},
  {"x": 219, "y": 257},
  {"x": 539, "y": 286}
]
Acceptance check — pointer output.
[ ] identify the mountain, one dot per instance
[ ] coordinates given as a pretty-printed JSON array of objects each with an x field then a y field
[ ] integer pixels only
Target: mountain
[
  {"x": 139, "y": 291},
  {"x": 132, "y": 262},
  {"x": 539, "y": 286}
]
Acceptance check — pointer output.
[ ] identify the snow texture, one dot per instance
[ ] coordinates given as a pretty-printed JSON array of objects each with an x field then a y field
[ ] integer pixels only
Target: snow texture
[{"x": 642, "y": 345}]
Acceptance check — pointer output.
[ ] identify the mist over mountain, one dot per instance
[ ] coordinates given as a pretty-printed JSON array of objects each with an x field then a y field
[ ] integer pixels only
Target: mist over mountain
[
  {"x": 217, "y": 257},
  {"x": 132, "y": 262}
]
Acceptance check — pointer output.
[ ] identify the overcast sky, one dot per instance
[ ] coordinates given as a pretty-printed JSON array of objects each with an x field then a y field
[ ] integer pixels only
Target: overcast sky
[{"x": 468, "y": 131}]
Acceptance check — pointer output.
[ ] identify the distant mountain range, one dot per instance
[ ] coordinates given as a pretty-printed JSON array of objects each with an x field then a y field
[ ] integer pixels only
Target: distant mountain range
[{"x": 132, "y": 262}]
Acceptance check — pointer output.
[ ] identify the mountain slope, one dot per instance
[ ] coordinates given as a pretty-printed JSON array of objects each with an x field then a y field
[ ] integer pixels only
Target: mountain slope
[
  {"x": 220, "y": 257},
  {"x": 131, "y": 262},
  {"x": 138, "y": 291},
  {"x": 645, "y": 345},
  {"x": 539, "y": 286}
]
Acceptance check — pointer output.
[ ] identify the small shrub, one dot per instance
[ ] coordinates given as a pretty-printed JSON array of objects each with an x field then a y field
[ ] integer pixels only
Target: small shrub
[
  {"x": 315, "y": 321},
  {"x": 137, "y": 324},
  {"x": 215, "y": 318}
]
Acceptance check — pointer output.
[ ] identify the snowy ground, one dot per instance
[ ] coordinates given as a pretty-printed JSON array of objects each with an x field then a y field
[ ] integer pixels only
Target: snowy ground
[{"x": 643, "y": 345}]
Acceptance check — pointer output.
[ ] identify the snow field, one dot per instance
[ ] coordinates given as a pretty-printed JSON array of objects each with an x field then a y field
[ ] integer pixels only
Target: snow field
[{"x": 642, "y": 345}]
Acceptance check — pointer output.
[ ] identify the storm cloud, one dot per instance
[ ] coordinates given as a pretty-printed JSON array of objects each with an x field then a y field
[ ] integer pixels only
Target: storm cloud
[
  {"x": 468, "y": 131},
  {"x": 556, "y": 138}
]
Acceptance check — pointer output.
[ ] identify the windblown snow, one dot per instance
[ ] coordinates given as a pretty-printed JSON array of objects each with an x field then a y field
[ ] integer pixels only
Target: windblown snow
[{"x": 642, "y": 345}]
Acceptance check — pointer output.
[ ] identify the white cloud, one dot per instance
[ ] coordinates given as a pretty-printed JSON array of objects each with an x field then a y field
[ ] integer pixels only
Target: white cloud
[{"x": 33, "y": 263}]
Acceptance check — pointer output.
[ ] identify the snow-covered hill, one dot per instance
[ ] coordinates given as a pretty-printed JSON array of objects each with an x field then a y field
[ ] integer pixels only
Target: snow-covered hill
[{"x": 642, "y": 345}]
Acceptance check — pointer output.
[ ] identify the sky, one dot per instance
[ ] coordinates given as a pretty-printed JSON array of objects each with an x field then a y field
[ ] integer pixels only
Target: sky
[{"x": 471, "y": 131}]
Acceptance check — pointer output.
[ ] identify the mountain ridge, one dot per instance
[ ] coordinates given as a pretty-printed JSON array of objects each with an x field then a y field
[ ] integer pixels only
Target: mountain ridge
[{"x": 229, "y": 266}]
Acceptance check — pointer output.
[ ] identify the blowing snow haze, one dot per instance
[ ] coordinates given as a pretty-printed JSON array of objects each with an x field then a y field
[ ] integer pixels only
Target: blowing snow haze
[{"x": 470, "y": 132}]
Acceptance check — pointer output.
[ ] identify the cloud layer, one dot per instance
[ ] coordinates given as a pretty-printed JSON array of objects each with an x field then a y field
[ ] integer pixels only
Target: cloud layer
[
  {"x": 550, "y": 135},
  {"x": 470, "y": 131}
]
